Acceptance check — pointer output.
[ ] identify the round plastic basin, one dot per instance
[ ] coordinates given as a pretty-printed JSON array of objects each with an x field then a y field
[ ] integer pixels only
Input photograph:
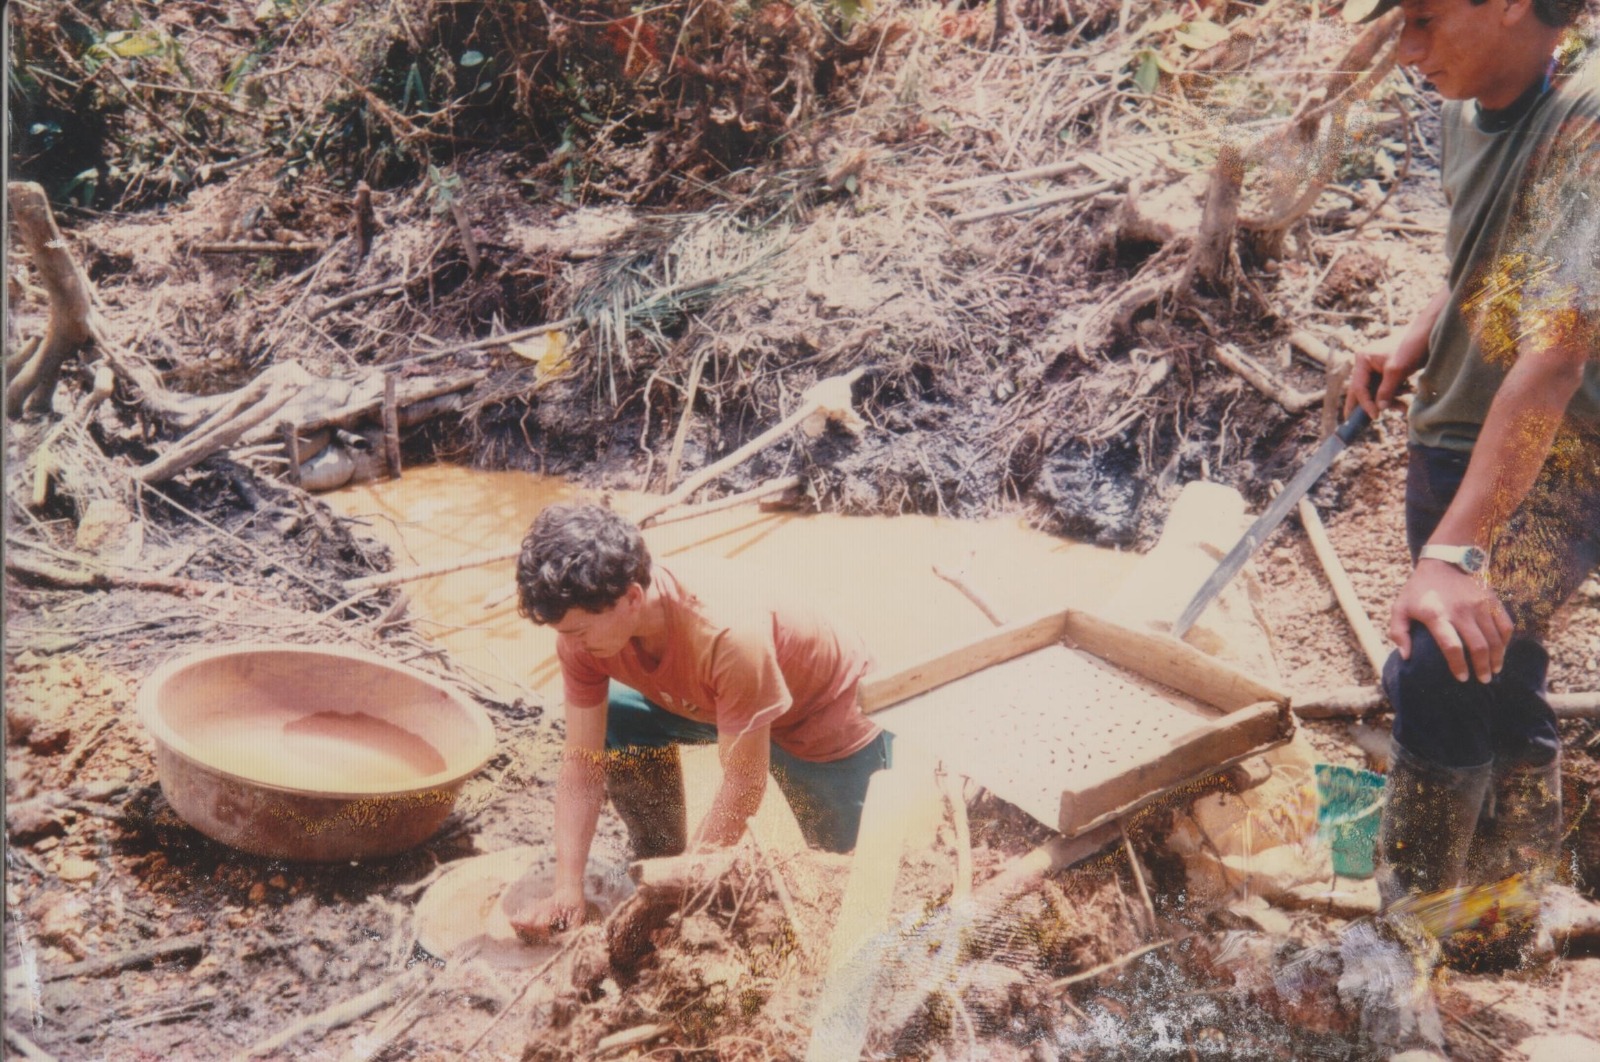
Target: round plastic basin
[{"x": 309, "y": 753}]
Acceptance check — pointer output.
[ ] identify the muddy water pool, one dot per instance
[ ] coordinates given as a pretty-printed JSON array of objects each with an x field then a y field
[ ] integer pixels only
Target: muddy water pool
[{"x": 874, "y": 575}]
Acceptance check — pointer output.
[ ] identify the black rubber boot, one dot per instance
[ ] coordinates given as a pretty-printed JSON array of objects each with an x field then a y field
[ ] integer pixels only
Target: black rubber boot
[
  {"x": 646, "y": 788},
  {"x": 1430, "y": 813},
  {"x": 1520, "y": 830}
]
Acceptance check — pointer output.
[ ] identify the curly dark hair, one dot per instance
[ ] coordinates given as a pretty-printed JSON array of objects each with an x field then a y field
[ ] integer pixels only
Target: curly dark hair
[{"x": 578, "y": 556}]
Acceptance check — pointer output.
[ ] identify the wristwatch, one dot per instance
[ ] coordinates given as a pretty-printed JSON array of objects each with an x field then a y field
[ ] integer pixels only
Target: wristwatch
[{"x": 1470, "y": 559}]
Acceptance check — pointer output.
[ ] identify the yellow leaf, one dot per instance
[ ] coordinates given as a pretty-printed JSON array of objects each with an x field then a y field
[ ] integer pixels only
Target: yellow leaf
[{"x": 547, "y": 352}]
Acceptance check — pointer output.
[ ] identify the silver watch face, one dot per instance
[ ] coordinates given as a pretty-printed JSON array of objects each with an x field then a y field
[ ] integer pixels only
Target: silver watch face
[{"x": 1473, "y": 559}]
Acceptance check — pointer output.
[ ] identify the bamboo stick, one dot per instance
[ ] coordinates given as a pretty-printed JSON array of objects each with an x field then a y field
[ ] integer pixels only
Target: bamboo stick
[{"x": 1372, "y": 644}]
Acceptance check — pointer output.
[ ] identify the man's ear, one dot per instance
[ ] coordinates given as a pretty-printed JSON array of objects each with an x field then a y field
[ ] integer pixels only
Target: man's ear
[{"x": 1515, "y": 11}]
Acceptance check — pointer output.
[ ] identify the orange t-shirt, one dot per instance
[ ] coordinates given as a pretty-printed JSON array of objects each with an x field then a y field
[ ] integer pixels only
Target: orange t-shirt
[{"x": 740, "y": 663}]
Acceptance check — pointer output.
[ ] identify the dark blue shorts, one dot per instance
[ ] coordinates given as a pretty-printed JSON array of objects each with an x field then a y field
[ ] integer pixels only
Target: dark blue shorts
[
  {"x": 826, "y": 797},
  {"x": 1547, "y": 548}
]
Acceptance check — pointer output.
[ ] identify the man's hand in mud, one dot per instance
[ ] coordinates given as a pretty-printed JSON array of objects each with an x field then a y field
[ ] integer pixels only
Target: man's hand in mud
[
  {"x": 1462, "y": 613},
  {"x": 560, "y": 910}
]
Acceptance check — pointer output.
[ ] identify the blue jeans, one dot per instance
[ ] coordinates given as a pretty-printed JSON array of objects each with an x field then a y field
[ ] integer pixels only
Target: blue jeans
[
  {"x": 826, "y": 797},
  {"x": 1547, "y": 548}
]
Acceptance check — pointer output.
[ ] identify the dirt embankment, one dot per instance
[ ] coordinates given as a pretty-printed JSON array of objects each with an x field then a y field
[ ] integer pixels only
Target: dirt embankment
[{"x": 687, "y": 216}]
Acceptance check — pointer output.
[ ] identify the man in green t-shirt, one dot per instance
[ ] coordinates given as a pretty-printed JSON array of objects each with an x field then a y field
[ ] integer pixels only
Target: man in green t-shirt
[{"x": 1503, "y": 486}]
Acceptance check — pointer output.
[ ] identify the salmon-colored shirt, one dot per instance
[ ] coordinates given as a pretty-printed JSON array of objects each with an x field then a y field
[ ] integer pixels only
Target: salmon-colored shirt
[{"x": 739, "y": 663}]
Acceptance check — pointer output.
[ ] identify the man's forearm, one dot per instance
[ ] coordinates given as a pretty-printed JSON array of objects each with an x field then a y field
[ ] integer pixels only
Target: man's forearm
[
  {"x": 1511, "y": 448},
  {"x": 736, "y": 801},
  {"x": 580, "y": 790}
]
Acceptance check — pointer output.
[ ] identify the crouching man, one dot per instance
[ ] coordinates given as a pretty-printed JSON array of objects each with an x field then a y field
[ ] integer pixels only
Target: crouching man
[{"x": 649, "y": 663}]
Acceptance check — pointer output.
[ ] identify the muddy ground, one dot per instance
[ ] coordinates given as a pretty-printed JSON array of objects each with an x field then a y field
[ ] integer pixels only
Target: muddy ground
[{"x": 712, "y": 259}]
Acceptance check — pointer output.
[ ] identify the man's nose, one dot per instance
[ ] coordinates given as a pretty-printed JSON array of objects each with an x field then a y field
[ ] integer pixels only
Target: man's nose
[{"x": 1413, "y": 48}]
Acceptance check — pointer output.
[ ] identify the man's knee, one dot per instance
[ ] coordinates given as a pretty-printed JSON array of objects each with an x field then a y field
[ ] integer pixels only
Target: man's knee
[{"x": 1436, "y": 717}]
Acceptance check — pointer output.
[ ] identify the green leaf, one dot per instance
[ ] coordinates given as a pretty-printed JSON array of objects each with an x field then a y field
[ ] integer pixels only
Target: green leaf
[
  {"x": 1148, "y": 76},
  {"x": 133, "y": 44},
  {"x": 471, "y": 58}
]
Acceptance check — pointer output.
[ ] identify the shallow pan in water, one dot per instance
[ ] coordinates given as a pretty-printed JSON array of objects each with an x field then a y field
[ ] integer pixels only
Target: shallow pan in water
[{"x": 308, "y": 753}]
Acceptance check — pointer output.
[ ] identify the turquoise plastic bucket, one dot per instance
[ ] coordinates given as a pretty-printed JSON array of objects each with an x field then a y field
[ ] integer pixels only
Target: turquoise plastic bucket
[{"x": 1348, "y": 805}]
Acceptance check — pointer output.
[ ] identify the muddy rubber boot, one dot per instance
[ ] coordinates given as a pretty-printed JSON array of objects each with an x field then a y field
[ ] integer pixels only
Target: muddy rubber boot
[
  {"x": 646, "y": 788},
  {"x": 1514, "y": 854},
  {"x": 1430, "y": 813},
  {"x": 1520, "y": 831}
]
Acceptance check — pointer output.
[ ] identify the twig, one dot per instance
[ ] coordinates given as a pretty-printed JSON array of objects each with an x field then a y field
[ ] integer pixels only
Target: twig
[
  {"x": 124, "y": 960},
  {"x": 1106, "y": 967},
  {"x": 538, "y": 975},
  {"x": 340, "y": 1014},
  {"x": 1343, "y": 590},
  {"x": 675, "y": 456},
  {"x": 256, "y": 247},
  {"x": 958, "y": 580},
  {"x": 492, "y": 341},
  {"x": 87, "y": 746},
  {"x": 1138, "y": 874}
]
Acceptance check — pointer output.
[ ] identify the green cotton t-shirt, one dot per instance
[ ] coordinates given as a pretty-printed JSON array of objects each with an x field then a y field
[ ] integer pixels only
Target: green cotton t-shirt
[{"x": 1524, "y": 249}]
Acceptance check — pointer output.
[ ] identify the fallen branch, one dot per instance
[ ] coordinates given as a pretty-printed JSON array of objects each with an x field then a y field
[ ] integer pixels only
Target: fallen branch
[
  {"x": 189, "y": 943},
  {"x": 1344, "y": 591},
  {"x": 1053, "y": 169},
  {"x": 249, "y": 406},
  {"x": 959, "y": 581},
  {"x": 830, "y": 396},
  {"x": 339, "y": 1015},
  {"x": 756, "y": 493},
  {"x": 1248, "y": 369},
  {"x": 1088, "y": 191},
  {"x": 103, "y": 579}
]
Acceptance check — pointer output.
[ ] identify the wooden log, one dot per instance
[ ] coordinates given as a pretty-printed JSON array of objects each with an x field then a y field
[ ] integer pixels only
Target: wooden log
[
  {"x": 1212, "y": 251},
  {"x": 764, "y": 490},
  {"x": 1372, "y": 645},
  {"x": 32, "y": 387},
  {"x": 391, "y": 426},
  {"x": 144, "y": 955},
  {"x": 366, "y": 222}
]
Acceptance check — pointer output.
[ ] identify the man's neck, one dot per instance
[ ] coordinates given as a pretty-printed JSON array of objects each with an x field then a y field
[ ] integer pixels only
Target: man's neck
[
  {"x": 1528, "y": 77},
  {"x": 651, "y": 636}
]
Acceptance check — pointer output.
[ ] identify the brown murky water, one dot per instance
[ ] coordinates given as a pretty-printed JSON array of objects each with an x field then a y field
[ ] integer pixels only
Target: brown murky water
[
  {"x": 872, "y": 574},
  {"x": 327, "y": 751}
]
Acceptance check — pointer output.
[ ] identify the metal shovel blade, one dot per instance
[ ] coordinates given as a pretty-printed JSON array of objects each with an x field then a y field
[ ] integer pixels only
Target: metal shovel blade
[{"x": 1287, "y": 499}]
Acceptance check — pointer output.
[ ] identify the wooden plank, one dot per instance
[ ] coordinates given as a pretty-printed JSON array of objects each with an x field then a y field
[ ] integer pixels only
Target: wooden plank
[
  {"x": 1162, "y": 658},
  {"x": 1004, "y": 644},
  {"x": 1203, "y": 751}
]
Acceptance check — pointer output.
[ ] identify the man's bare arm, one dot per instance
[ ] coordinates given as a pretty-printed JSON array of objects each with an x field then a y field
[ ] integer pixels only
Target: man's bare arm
[
  {"x": 745, "y": 758},
  {"x": 580, "y": 791}
]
